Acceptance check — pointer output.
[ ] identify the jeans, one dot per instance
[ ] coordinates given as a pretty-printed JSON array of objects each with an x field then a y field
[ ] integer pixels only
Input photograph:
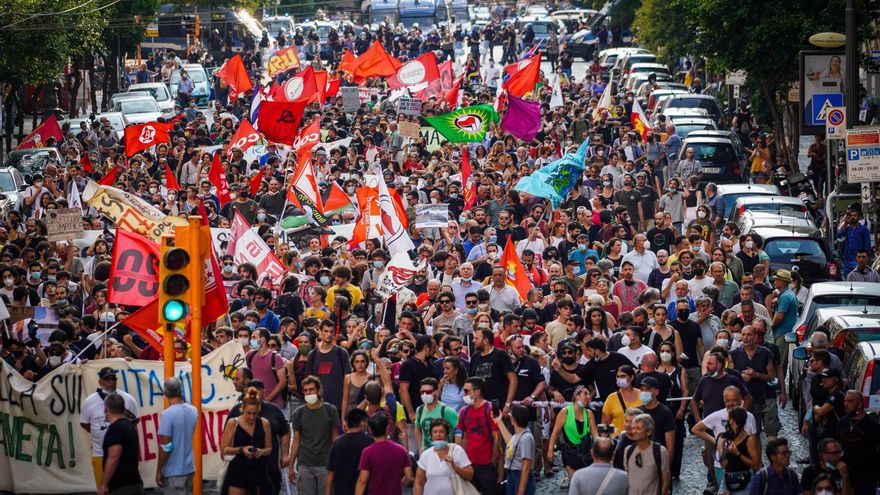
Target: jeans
[
  {"x": 178, "y": 485},
  {"x": 511, "y": 483}
]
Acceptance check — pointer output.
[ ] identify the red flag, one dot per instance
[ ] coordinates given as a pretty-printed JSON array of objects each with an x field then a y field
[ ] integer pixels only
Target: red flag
[
  {"x": 321, "y": 82},
  {"x": 376, "y": 62},
  {"x": 437, "y": 88},
  {"x": 514, "y": 271},
  {"x": 218, "y": 178},
  {"x": 525, "y": 79},
  {"x": 467, "y": 178},
  {"x": 279, "y": 120},
  {"x": 170, "y": 180},
  {"x": 337, "y": 198},
  {"x": 451, "y": 96},
  {"x": 245, "y": 137},
  {"x": 134, "y": 270},
  {"x": 256, "y": 181},
  {"x": 203, "y": 212},
  {"x": 308, "y": 137},
  {"x": 301, "y": 87},
  {"x": 283, "y": 60},
  {"x": 145, "y": 322},
  {"x": 86, "y": 163},
  {"x": 235, "y": 75},
  {"x": 38, "y": 137},
  {"x": 420, "y": 70},
  {"x": 368, "y": 199},
  {"x": 142, "y": 136},
  {"x": 349, "y": 62},
  {"x": 110, "y": 178},
  {"x": 332, "y": 87}
]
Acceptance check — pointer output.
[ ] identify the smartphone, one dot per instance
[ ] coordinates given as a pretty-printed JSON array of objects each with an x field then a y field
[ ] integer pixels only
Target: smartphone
[{"x": 496, "y": 409}]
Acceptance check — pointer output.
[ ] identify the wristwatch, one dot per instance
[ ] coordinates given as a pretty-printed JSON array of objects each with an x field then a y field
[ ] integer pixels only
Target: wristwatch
[
  {"x": 507, "y": 404},
  {"x": 533, "y": 397}
]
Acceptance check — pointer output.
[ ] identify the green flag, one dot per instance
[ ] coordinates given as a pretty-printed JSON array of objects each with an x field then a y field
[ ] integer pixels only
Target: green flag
[{"x": 465, "y": 125}]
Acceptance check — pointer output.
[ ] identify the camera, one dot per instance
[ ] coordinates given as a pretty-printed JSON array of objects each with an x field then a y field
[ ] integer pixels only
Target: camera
[{"x": 605, "y": 430}]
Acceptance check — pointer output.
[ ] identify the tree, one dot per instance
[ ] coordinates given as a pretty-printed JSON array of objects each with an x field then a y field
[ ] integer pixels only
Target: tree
[{"x": 663, "y": 27}]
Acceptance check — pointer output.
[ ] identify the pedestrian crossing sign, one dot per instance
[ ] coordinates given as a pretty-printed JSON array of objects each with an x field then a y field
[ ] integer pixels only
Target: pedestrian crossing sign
[{"x": 822, "y": 103}]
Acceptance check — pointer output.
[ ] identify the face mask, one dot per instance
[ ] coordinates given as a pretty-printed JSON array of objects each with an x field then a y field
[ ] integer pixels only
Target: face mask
[
  {"x": 231, "y": 195},
  {"x": 683, "y": 314},
  {"x": 493, "y": 256},
  {"x": 824, "y": 492},
  {"x": 109, "y": 391},
  {"x": 472, "y": 311},
  {"x": 737, "y": 337},
  {"x": 466, "y": 279},
  {"x": 830, "y": 467},
  {"x": 629, "y": 282},
  {"x": 427, "y": 398},
  {"x": 439, "y": 444},
  {"x": 701, "y": 214},
  {"x": 435, "y": 201},
  {"x": 722, "y": 342},
  {"x": 54, "y": 361},
  {"x": 324, "y": 280},
  {"x": 311, "y": 398},
  {"x": 645, "y": 397},
  {"x": 228, "y": 268},
  {"x": 582, "y": 247},
  {"x": 244, "y": 341},
  {"x": 606, "y": 183},
  {"x": 154, "y": 190},
  {"x": 468, "y": 400},
  {"x": 62, "y": 302},
  {"x": 261, "y": 305},
  {"x": 698, "y": 248},
  {"x": 625, "y": 341},
  {"x": 305, "y": 349},
  {"x": 493, "y": 239},
  {"x": 251, "y": 325},
  {"x": 666, "y": 357},
  {"x": 581, "y": 404},
  {"x": 715, "y": 374},
  {"x": 378, "y": 265},
  {"x": 8, "y": 281},
  {"x": 349, "y": 190},
  {"x": 622, "y": 382},
  {"x": 167, "y": 447},
  {"x": 569, "y": 359},
  {"x": 173, "y": 197},
  {"x": 51, "y": 278},
  {"x": 35, "y": 275},
  {"x": 750, "y": 244},
  {"x": 255, "y": 343}
]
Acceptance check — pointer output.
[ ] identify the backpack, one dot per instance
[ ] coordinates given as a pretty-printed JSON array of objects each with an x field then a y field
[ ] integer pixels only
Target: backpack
[
  {"x": 655, "y": 449},
  {"x": 298, "y": 412},
  {"x": 442, "y": 415},
  {"x": 392, "y": 432},
  {"x": 764, "y": 474},
  {"x": 284, "y": 392},
  {"x": 310, "y": 360}
]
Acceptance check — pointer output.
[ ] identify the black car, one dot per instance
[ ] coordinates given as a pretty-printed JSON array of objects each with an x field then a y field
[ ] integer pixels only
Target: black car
[{"x": 721, "y": 163}]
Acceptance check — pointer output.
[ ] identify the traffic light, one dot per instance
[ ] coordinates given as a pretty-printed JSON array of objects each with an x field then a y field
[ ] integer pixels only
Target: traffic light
[
  {"x": 190, "y": 24},
  {"x": 174, "y": 279}
]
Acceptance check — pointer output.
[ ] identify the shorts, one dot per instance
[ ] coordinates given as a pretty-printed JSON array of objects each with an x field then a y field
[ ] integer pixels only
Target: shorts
[
  {"x": 178, "y": 485},
  {"x": 772, "y": 425}
]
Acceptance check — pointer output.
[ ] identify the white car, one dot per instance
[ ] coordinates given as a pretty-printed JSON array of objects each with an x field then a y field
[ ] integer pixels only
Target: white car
[
  {"x": 138, "y": 109},
  {"x": 160, "y": 93},
  {"x": 118, "y": 122}
]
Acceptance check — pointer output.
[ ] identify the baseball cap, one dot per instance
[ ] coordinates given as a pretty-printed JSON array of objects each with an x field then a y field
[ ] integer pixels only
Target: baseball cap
[
  {"x": 649, "y": 381},
  {"x": 830, "y": 373},
  {"x": 106, "y": 372}
]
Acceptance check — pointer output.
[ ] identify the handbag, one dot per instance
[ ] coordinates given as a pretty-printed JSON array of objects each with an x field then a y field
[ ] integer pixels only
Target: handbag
[
  {"x": 462, "y": 487},
  {"x": 737, "y": 480}
]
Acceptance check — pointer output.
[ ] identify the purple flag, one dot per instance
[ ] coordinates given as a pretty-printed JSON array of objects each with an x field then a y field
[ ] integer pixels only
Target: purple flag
[{"x": 522, "y": 119}]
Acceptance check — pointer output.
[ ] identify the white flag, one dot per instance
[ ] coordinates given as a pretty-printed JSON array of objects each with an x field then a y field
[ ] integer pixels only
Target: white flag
[
  {"x": 75, "y": 200},
  {"x": 556, "y": 99},
  {"x": 604, "y": 102},
  {"x": 246, "y": 246},
  {"x": 399, "y": 272},
  {"x": 396, "y": 237},
  {"x": 332, "y": 145}
]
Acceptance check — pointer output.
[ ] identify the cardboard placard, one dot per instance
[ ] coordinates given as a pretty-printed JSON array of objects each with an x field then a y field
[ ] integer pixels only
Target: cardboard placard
[
  {"x": 64, "y": 223},
  {"x": 432, "y": 215},
  {"x": 350, "y": 98},
  {"x": 409, "y": 129},
  {"x": 409, "y": 106}
]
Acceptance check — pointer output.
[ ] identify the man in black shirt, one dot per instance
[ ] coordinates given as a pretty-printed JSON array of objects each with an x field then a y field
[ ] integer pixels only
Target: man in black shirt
[
  {"x": 709, "y": 392},
  {"x": 660, "y": 236},
  {"x": 664, "y": 420},
  {"x": 507, "y": 229},
  {"x": 563, "y": 390},
  {"x": 756, "y": 364},
  {"x": 859, "y": 435},
  {"x": 494, "y": 367},
  {"x": 342, "y": 474},
  {"x": 691, "y": 339},
  {"x": 412, "y": 371},
  {"x": 600, "y": 372},
  {"x": 831, "y": 463},
  {"x": 120, "y": 450}
]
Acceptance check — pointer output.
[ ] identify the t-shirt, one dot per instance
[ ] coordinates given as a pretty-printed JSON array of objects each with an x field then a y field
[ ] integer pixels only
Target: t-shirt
[
  {"x": 615, "y": 409},
  {"x": 493, "y": 369},
  {"x": 562, "y": 385},
  {"x": 589, "y": 479},
  {"x": 645, "y": 479},
  {"x": 556, "y": 331},
  {"x": 711, "y": 391},
  {"x": 528, "y": 376},
  {"x": 521, "y": 446},
  {"x": 635, "y": 355},
  {"x": 787, "y": 305},
  {"x": 331, "y": 368},
  {"x": 423, "y": 419},
  {"x": 345, "y": 473},
  {"x": 179, "y": 423},
  {"x": 386, "y": 461},
  {"x": 122, "y": 432},
  {"x": 690, "y": 332},
  {"x": 412, "y": 372},
  {"x": 664, "y": 421},
  {"x": 473, "y": 422},
  {"x": 277, "y": 422},
  {"x": 264, "y": 368},
  {"x": 759, "y": 362},
  {"x": 92, "y": 414},
  {"x": 603, "y": 373},
  {"x": 438, "y": 474},
  {"x": 314, "y": 428}
]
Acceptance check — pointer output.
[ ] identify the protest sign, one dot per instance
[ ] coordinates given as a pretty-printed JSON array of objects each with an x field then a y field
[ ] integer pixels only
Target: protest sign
[
  {"x": 432, "y": 215},
  {"x": 64, "y": 223},
  {"x": 350, "y": 98},
  {"x": 18, "y": 313},
  {"x": 409, "y": 129},
  {"x": 44, "y": 449},
  {"x": 409, "y": 106}
]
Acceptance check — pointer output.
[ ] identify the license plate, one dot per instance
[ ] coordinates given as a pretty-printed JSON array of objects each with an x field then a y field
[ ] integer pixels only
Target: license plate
[{"x": 711, "y": 170}]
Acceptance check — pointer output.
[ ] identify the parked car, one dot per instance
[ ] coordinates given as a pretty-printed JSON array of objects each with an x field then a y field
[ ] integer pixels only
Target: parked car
[
  {"x": 582, "y": 44},
  {"x": 138, "y": 110},
  {"x": 721, "y": 163},
  {"x": 11, "y": 186},
  {"x": 117, "y": 121},
  {"x": 780, "y": 205},
  {"x": 859, "y": 367},
  {"x": 632, "y": 82},
  {"x": 625, "y": 63},
  {"x": 29, "y": 161},
  {"x": 823, "y": 315},
  {"x": 659, "y": 95},
  {"x": 731, "y": 192},
  {"x": 706, "y": 102},
  {"x": 609, "y": 56},
  {"x": 806, "y": 254},
  {"x": 648, "y": 68},
  {"x": 832, "y": 294},
  {"x": 726, "y": 134},
  {"x": 160, "y": 93}
]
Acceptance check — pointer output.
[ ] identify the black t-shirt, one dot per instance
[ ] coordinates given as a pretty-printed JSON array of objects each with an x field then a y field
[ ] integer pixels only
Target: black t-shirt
[
  {"x": 345, "y": 449},
  {"x": 860, "y": 441},
  {"x": 562, "y": 385},
  {"x": 690, "y": 332},
  {"x": 603, "y": 373},
  {"x": 828, "y": 424},
  {"x": 273, "y": 414},
  {"x": 811, "y": 472},
  {"x": 660, "y": 238},
  {"x": 711, "y": 391},
  {"x": 528, "y": 376},
  {"x": 664, "y": 421},
  {"x": 516, "y": 234},
  {"x": 760, "y": 362},
  {"x": 493, "y": 369},
  {"x": 122, "y": 432},
  {"x": 413, "y": 371}
]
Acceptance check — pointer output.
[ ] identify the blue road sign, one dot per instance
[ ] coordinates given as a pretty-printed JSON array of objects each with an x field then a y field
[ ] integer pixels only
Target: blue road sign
[
  {"x": 852, "y": 154},
  {"x": 821, "y": 103}
]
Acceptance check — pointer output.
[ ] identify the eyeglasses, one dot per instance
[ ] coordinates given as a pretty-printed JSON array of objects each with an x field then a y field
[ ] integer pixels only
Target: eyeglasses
[
  {"x": 447, "y": 301},
  {"x": 273, "y": 346},
  {"x": 639, "y": 460},
  {"x": 470, "y": 303},
  {"x": 834, "y": 452},
  {"x": 426, "y": 391},
  {"x": 783, "y": 452},
  {"x": 403, "y": 351},
  {"x": 594, "y": 275},
  {"x": 568, "y": 353}
]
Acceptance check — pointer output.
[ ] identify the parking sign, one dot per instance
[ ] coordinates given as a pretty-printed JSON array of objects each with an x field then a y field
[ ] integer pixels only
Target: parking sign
[{"x": 835, "y": 123}]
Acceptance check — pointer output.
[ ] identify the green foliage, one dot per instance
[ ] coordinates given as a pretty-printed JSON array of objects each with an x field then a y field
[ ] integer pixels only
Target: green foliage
[
  {"x": 662, "y": 27},
  {"x": 623, "y": 12}
]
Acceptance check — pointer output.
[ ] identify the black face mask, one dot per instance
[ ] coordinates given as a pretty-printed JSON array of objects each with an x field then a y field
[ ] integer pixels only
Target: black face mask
[
  {"x": 683, "y": 314},
  {"x": 699, "y": 271},
  {"x": 629, "y": 282},
  {"x": 569, "y": 359}
]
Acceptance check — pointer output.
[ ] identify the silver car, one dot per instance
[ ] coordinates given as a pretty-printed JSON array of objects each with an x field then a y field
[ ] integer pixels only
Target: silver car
[
  {"x": 138, "y": 109},
  {"x": 11, "y": 186}
]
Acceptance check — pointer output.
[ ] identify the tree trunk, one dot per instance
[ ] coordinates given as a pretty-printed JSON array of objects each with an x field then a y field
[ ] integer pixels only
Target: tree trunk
[
  {"x": 93, "y": 90},
  {"x": 778, "y": 126},
  {"x": 73, "y": 90}
]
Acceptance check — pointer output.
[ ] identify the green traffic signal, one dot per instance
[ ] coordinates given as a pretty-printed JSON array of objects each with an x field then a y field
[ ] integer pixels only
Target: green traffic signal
[{"x": 174, "y": 310}]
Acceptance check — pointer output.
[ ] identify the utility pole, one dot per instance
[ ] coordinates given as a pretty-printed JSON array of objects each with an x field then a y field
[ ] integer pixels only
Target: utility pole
[{"x": 851, "y": 95}]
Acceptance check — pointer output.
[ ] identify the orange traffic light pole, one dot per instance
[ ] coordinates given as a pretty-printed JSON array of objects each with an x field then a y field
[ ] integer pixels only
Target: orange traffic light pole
[{"x": 196, "y": 300}]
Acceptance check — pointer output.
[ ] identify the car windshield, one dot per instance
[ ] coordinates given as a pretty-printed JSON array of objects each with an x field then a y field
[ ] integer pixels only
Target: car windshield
[
  {"x": 540, "y": 28},
  {"x": 730, "y": 199},
  {"x": 704, "y": 103},
  {"x": 6, "y": 182},
  {"x": 847, "y": 299},
  {"x": 276, "y": 26},
  {"x": 155, "y": 92},
  {"x": 789, "y": 251},
  {"x": 786, "y": 210},
  {"x": 138, "y": 106},
  {"x": 684, "y": 129},
  {"x": 713, "y": 153},
  {"x": 115, "y": 122}
]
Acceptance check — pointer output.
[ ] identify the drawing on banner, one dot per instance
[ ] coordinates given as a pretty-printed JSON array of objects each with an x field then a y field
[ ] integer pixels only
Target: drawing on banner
[
  {"x": 350, "y": 98},
  {"x": 432, "y": 215}
]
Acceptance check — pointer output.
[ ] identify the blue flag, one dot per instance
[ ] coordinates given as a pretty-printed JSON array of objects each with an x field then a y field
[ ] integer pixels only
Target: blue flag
[{"x": 556, "y": 179}]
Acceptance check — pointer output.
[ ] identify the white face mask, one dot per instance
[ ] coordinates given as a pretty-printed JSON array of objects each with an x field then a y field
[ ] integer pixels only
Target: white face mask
[
  {"x": 625, "y": 341},
  {"x": 427, "y": 399},
  {"x": 8, "y": 281},
  {"x": 468, "y": 400},
  {"x": 622, "y": 382},
  {"x": 54, "y": 361},
  {"x": 737, "y": 337},
  {"x": 750, "y": 244},
  {"x": 311, "y": 398},
  {"x": 722, "y": 342},
  {"x": 701, "y": 214},
  {"x": 666, "y": 357}
]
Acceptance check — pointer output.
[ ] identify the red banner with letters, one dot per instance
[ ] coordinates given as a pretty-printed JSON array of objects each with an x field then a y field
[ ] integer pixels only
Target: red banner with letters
[
  {"x": 134, "y": 270},
  {"x": 245, "y": 137},
  {"x": 283, "y": 60},
  {"x": 279, "y": 120}
]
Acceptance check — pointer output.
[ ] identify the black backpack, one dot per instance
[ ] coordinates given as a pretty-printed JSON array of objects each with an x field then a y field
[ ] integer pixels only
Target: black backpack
[{"x": 655, "y": 449}]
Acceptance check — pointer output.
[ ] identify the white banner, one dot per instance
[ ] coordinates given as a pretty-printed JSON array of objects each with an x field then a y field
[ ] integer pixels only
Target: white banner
[
  {"x": 247, "y": 247},
  {"x": 432, "y": 215},
  {"x": 399, "y": 272},
  {"x": 44, "y": 448}
]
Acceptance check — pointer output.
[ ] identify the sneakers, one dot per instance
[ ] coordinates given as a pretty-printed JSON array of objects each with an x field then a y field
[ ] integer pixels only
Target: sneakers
[{"x": 565, "y": 483}]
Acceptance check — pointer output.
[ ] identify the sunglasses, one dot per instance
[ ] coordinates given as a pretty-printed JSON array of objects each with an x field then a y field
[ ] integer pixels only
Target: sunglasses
[
  {"x": 470, "y": 303},
  {"x": 446, "y": 302}
]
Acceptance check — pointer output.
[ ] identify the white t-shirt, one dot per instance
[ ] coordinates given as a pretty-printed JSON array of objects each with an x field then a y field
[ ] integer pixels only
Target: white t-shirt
[
  {"x": 717, "y": 422},
  {"x": 635, "y": 356},
  {"x": 92, "y": 414},
  {"x": 437, "y": 471}
]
